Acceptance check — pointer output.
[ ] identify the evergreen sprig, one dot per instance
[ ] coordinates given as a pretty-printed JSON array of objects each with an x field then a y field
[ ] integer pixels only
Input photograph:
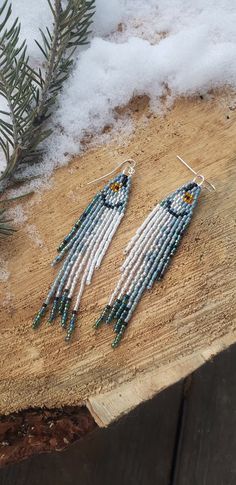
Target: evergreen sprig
[
  {"x": 16, "y": 86},
  {"x": 5, "y": 228},
  {"x": 31, "y": 94}
]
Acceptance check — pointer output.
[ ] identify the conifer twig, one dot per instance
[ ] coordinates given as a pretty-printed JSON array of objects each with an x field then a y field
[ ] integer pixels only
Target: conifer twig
[
  {"x": 5, "y": 228},
  {"x": 30, "y": 95}
]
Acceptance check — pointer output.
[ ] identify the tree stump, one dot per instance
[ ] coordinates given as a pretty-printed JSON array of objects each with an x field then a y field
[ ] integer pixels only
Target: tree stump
[{"x": 179, "y": 324}]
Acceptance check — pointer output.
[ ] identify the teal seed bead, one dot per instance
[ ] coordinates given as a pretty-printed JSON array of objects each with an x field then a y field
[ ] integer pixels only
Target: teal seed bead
[
  {"x": 59, "y": 249},
  {"x": 68, "y": 238},
  {"x": 70, "y": 235},
  {"x": 123, "y": 308},
  {"x": 98, "y": 322},
  {"x": 118, "y": 337},
  {"x": 40, "y": 314},
  {"x": 36, "y": 321},
  {"x": 103, "y": 316},
  {"x": 77, "y": 224},
  {"x": 63, "y": 302},
  {"x": 118, "y": 325},
  {"x": 113, "y": 312},
  {"x": 65, "y": 312},
  {"x": 71, "y": 326},
  {"x": 56, "y": 260},
  {"x": 54, "y": 310}
]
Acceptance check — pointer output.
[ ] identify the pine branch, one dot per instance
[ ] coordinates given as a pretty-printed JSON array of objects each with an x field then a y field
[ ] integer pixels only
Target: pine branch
[
  {"x": 16, "y": 86},
  {"x": 5, "y": 228},
  {"x": 70, "y": 30},
  {"x": 31, "y": 94}
]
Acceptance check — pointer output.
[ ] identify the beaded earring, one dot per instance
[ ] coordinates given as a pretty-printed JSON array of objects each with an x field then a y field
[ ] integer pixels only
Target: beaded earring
[
  {"x": 86, "y": 245},
  {"x": 150, "y": 251}
]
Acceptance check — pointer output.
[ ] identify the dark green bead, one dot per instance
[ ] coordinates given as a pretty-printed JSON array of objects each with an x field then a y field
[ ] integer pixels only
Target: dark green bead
[
  {"x": 69, "y": 236},
  {"x": 71, "y": 326},
  {"x": 69, "y": 333},
  {"x": 54, "y": 310},
  {"x": 102, "y": 317},
  {"x": 36, "y": 321},
  {"x": 123, "y": 308},
  {"x": 63, "y": 301},
  {"x": 40, "y": 314},
  {"x": 62, "y": 245},
  {"x": 65, "y": 312},
  {"x": 118, "y": 337},
  {"x": 119, "y": 324},
  {"x": 113, "y": 312},
  {"x": 91, "y": 205},
  {"x": 98, "y": 322}
]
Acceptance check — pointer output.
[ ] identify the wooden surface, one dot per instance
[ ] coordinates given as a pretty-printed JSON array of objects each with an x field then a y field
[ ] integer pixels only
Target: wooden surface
[
  {"x": 182, "y": 322},
  {"x": 185, "y": 435}
]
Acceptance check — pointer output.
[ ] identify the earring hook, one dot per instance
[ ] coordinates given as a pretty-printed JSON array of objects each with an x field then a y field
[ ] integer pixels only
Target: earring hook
[
  {"x": 131, "y": 170},
  {"x": 208, "y": 185}
]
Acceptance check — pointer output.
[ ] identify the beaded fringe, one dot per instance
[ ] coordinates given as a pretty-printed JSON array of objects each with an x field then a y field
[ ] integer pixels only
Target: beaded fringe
[
  {"x": 85, "y": 245},
  {"x": 148, "y": 255}
]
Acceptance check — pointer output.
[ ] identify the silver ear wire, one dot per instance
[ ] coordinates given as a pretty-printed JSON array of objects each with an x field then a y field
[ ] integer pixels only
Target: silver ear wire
[
  {"x": 208, "y": 185},
  {"x": 130, "y": 170},
  {"x": 131, "y": 166}
]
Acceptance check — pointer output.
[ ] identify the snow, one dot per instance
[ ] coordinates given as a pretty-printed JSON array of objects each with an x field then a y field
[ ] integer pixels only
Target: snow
[
  {"x": 137, "y": 47},
  {"x": 17, "y": 214},
  {"x": 34, "y": 235},
  {"x": 4, "y": 273}
]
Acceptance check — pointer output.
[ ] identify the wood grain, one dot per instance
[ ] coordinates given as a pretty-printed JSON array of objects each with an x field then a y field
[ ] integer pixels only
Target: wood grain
[{"x": 178, "y": 325}]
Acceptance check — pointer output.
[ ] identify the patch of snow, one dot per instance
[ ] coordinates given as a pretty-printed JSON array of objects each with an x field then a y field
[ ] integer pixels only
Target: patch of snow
[
  {"x": 33, "y": 233},
  {"x": 107, "y": 16},
  {"x": 4, "y": 273},
  {"x": 32, "y": 18},
  {"x": 8, "y": 296},
  {"x": 17, "y": 214}
]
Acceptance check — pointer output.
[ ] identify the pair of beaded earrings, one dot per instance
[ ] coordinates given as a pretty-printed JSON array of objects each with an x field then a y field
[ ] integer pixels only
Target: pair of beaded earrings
[{"x": 148, "y": 252}]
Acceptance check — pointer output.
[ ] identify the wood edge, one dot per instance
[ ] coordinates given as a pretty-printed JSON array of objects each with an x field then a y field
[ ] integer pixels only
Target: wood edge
[{"x": 110, "y": 406}]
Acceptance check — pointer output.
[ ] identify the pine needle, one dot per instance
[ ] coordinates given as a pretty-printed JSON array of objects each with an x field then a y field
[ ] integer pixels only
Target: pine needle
[
  {"x": 5, "y": 228},
  {"x": 31, "y": 94}
]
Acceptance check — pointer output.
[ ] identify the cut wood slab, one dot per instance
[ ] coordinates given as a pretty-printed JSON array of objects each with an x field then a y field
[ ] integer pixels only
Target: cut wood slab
[{"x": 179, "y": 324}]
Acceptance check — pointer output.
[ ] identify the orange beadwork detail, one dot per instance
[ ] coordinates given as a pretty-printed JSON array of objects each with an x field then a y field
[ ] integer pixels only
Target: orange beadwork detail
[
  {"x": 115, "y": 186},
  {"x": 188, "y": 198}
]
